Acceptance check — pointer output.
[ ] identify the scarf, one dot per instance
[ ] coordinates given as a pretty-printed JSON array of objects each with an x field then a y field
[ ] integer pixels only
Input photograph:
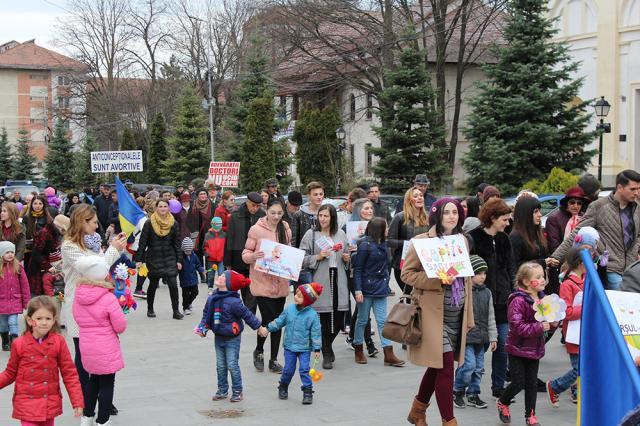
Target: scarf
[
  {"x": 37, "y": 214},
  {"x": 203, "y": 206},
  {"x": 162, "y": 225},
  {"x": 93, "y": 242},
  {"x": 571, "y": 224},
  {"x": 456, "y": 291}
]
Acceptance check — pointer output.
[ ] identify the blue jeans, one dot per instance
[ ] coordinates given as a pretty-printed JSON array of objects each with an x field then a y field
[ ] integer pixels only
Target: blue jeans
[
  {"x": 614, "y": 281},
  {"x": 499, "y": 359},
  {"x": 289, "y": 369},
  {"x": 9, "y": 322},
  {"x": 563, "y": 383},
  {"x": 469, "y": 374},
  {"x": 379, "y": 305},
  {"x": 227, "y": 354},
  {"x": 211, "y": 275}
]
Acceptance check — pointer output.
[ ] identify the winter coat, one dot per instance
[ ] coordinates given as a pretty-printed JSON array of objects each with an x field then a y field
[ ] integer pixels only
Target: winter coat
[
  {"x": 554, "y": 228},
  {"x": 496, "y": 251},
  {"x": 238, "y": 227},
  {"x": 301, "y": 328},
  {"x": 485, "y": 330},
  {"x": 308, "y": 220},
  {"x": 222, "y": 212},
  {"x": 263, "y": 284},
  {"x": 161, "y": 254},
  {"x": 398, "y": 234},
  {"x": 36, "y": 369},
  {"x": 428, "y": 294},
  {"x": 523, "y": 253},
  {"x": 100, "y": 319},
  {"x": 214, "y": 246},
  {"x": 14, "y": 291},
  {"x": 320, "y": 270},
  {"x": 526, "y": 335},
  {"x": 102, "y": 205},
  {"x": 381, "y": 209},
  {"x": 293, "y": 219},
  {"x": 604, "y": 215},
  {"x": 191, "y": 266},
  {"x": 20, "y": 243},
  {"x": 371, "y": 269},
  {"x": 571, "y": 286},
  {"x": 227, "y": 308}
]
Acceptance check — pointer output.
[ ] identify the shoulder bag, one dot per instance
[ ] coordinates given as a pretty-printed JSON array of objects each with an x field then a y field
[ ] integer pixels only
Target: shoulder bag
[{"x": 403, "y": 323}]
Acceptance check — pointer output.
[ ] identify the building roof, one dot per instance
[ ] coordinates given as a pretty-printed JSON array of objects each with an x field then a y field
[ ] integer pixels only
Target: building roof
[{"x": 29, "y": 55}]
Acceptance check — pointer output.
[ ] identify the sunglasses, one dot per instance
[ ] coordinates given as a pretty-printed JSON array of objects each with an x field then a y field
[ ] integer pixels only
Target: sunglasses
[{"x": 575, "y": 202}]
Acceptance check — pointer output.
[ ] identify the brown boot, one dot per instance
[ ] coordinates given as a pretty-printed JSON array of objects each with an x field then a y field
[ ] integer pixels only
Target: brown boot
[
  {"x": 418, "y": 414},
  {"x": 360, "y": 358},
  {"x": 452, "y": 422},
  {"x": 390, "y": 358}
]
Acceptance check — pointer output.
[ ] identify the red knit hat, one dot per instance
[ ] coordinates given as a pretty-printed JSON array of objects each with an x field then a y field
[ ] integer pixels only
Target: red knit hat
[
  {"x": 310, "y": 293},
  {"x": 235, "y": 281}
]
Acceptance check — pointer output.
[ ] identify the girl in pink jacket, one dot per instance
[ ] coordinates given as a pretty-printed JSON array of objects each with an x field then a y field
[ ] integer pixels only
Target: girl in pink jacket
[
  {"x": 14, "y": 293},
  {"x": 100, "y": 319}
]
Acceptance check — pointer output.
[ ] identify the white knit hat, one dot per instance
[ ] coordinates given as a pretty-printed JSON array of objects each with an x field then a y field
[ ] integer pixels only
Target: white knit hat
[
  {"x": 93, "y": 268},
  {"x": 6, "y": 246}
]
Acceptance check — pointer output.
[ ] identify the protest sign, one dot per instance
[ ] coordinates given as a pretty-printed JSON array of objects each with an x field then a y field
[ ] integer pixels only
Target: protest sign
[
  {"x": 280, "y": 260},
  {"x": 626, "y": 308},
  {"x": 224, "y": 173},
  {"x": 355, "y": 230},
  {"x": 116, "y": 161},
  {"x": 405, "y": 251},
  {"x": 446, "y": 256},
  {"x": 573, "y": 327}
]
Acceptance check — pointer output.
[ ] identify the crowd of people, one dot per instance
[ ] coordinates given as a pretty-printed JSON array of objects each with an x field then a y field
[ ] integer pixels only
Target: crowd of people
[{"x": 58, "y": 257}]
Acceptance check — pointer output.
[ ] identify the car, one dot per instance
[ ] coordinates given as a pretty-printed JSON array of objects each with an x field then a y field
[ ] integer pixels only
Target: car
[
  {"x": 24, "y": 189},
  {"x": 393, "y": 201}
]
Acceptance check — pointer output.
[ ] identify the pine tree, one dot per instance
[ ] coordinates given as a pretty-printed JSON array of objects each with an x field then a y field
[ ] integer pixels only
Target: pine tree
[
  {"x": 24, "y": 162},
  {"x": 283, "y": 159},
  {"x": 414, "y": 142},
  {"x": 82, "y": 176},
  {"x": 157, "y": 149},
  {"x": 258, "y": 161},
  {"x": 59, "y": 157},
  {"x": 523, "y": 122},
  {"x": 188, "y": 155},
  {"x": 6, "y": 157}
]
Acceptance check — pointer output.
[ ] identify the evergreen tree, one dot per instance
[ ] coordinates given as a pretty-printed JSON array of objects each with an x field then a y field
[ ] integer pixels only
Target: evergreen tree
[
  {"x": 188, "y": 154},
  {"x": 258, "y": 161},
  {"x": 523, "y": 122},
  {"x": 82, "y": 176},
  {"x": 157, "y": 149},
  {"x": 6, "y": 157},
  {"x": 24, "y": 162},
  {"x": 283, "y": 159},
  {"x": 413, "y": 143},
  {"x": 59, "y": 157}
]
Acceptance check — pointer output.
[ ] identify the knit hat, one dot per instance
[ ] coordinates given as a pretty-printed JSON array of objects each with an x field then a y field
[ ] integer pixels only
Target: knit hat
[
  {"x": 294, "y": 198},
  {"x": 93, "y": 268},
  {"x": 478, "y": 264},
  {"x": 187, "y": 245},
  {"x": 490, "y": 191},
  {"x": 6, "y": 246},
  {"x": 185, "y": 197},
  {"x": 235, "y": 280},
  {"x": 216, "y": 223},
  {"x": 587, "y": 236},
  {"x": 470, "y": 224},
  {"x": 310, "y": 293}
]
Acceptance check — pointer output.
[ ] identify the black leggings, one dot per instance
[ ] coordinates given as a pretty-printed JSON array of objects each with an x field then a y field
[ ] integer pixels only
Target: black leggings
[
  {"x": 100, "y": 391},
  {"x": 524, "y": 375},
  {"x": 270, "y": 309},
  {"x": 189, "y": 294},
  {"x": 82, "y": 373},
  {"x": 139, "y": 282},
  {"x": 173, "y": 291}
]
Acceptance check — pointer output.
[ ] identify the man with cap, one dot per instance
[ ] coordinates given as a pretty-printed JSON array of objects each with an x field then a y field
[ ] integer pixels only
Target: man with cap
[
  {"x": 271, "y": 185},
  {"x": 422, "y": 182},
  {"x": 214, "y": 195},
  {"x": 237, "y": 230},
  {"x": 292, "y": 216}
]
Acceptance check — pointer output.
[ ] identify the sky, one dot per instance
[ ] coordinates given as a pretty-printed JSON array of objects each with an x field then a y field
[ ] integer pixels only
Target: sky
[{"x": 22, "y": 20}]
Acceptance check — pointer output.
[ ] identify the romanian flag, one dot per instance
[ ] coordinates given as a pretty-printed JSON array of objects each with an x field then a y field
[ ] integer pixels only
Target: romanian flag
[
  {"x": 608, "y": 381},
  {"x": 130, "y": 212}
]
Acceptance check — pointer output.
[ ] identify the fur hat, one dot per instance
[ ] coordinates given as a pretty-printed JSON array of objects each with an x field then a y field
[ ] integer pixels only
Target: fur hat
[
  {"x": 6, "y": 246},
  {"x": 310, "y": 293},
  {"x": 187, "y": 245},
  {"x": 478, "y": 264},
  {"x": 62, "y": 222},
  {"x": 235, "y": 280},
  {"x": 93, "y": 268}
]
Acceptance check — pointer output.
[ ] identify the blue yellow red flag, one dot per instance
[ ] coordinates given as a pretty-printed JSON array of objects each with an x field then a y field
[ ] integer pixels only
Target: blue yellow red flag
[{"x": 130, "y": 212}]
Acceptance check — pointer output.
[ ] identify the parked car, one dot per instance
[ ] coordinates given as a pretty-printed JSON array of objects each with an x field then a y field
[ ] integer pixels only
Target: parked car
[{"x": 24, "y": 189}]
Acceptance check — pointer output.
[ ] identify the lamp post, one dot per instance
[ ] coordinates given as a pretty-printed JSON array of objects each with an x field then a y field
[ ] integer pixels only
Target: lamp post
[
  {"x": 340, "y": 135},
  {"x": 602, "y": 108}
]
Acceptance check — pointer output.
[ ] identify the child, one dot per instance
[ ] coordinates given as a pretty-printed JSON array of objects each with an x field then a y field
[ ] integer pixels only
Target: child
[
  {"x": 100, "y": 319},
  {"x": 469, "y": 374},
  {"x": 223, "y": 314},
  {"x": 572, "y": 285},
  {"x": 189, "y": 281},
  {"x": 214, "y": 251},
  {"x": 14, "y": 293},
  {"x": 37, "y": 360},
  {"x": 301, "y": 336},
  {"x": 525, "y": 341}
]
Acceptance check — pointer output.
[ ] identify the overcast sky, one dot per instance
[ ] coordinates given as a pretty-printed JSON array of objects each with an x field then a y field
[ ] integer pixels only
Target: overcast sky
[{"x": 22, "y": 20}]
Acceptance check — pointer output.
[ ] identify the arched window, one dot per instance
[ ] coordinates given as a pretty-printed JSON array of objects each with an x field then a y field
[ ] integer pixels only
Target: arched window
[{"x": 352, "y": 107}]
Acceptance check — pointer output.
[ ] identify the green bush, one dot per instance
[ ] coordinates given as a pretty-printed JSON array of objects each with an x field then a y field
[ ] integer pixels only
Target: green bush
[{"x": 557, "y": 182}]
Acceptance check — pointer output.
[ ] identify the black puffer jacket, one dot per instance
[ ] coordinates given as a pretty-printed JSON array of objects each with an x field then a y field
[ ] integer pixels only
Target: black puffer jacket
[
  {"x": 161, "y": 254},
  {"x": 238, "y": 227}
]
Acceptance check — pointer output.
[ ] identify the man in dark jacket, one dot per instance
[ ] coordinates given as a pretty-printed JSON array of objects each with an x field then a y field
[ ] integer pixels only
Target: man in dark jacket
[
  {"x": 271, "y": 185},
  {"x": 237, "y": 230},
  {"x": 380, "y": 208},
  {"x": 102, "y": 204},
  {"x": 292, "y": 216}
]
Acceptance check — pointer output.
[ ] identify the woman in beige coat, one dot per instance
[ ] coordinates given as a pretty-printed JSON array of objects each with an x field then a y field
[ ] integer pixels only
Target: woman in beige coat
[{"x": 446, "y": 316}]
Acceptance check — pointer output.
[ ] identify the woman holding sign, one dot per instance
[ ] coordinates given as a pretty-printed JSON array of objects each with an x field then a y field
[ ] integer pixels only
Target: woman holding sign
[{"x": 446, "y": 316}]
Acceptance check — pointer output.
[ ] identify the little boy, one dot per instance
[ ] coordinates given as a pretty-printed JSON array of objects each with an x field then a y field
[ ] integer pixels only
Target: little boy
[
  {"x": 223, "y": 314},
  {"x": 301, "y": 336},
  {"x": 214, "y": 251},
  {"x": 485, "y": 333},
  {"x": 191, "y": 266}
]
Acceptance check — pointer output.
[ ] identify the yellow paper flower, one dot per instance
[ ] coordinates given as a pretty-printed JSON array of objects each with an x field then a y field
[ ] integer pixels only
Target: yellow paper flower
[{"x": 550, "y": 308}]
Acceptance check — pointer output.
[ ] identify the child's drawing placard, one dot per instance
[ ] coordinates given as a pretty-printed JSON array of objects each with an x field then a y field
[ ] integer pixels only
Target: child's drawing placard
[
  {"x": 447, "y": 255},
  {"x": 626, "y": 308},
  {"x": 280, "y": 260},
  {"x": 355, "y": 230}
]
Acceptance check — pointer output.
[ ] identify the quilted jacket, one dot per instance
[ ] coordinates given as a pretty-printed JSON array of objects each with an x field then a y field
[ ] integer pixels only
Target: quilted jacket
[
  {"x": 526, "y": 335},
  {"x": 225, "y": 311},
  {"x": 14, "y": 291},
  {"x": 301, "y": 328}
]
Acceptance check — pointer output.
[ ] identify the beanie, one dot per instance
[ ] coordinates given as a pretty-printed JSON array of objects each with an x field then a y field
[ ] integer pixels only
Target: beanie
[
  {"x": 185, "y": 197},
  {"x": 587, "y": 236},
  {"x": 235, "y": 280},
  {"x": 310, "y": 293},
  {"x": 49, "y": 191},
  {"x": 93, "y": 268},
  {"x": 216, "y": 223},
  {"x": 187, "y": 245},
  {"x": 6, "y": 246},
  {"x": 490, "y": 191},
  {"x": 478, "y": 264}
]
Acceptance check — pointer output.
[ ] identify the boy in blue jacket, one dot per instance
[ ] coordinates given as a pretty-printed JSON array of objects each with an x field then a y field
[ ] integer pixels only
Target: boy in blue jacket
[
  {"x": 301, "y": 336},
  {"x": 223, "y": 314},
  {"x": 191, "y": 267}
]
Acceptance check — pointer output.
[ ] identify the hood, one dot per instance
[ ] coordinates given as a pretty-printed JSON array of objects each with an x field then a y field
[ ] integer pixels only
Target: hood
[
  {"x": 219, "y": 295},
  {"x": 305, "y": 209},
  {"x": 89, "y": 293}
]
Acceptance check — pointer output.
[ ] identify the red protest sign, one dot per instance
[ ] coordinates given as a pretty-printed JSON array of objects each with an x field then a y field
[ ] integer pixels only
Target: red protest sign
[{"x": 224, "y": 173}]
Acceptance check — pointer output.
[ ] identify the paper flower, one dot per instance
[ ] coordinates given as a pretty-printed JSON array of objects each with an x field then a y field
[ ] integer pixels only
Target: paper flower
[
  {"x": 550, "y": 308},
  {"x": 143, "y": 271},
  {"x": 316, "y": 376},
  {"x": 444, "y": 276},
  {"x": 337, "y": 247}
]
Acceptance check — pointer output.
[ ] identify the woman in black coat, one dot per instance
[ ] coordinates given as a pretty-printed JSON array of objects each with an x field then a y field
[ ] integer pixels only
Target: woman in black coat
[
  {"x": 160, "y": 249},
  {"x": 527, "y": 239}
]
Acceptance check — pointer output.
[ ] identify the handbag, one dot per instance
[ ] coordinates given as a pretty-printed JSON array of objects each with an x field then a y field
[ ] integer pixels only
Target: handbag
[{"x": 403, "y": 323}]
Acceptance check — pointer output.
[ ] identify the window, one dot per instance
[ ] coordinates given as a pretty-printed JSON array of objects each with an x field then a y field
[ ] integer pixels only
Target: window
[
  {"x": 60, "y": 102},
  {"x": 369, "y": 157},
  {"x": 352, "y": 107},
  {"x": 38, "y": 76},
  {"x": 352, "y": 156},
  {"x": 66, "y": 102},
  {"x": 369, "y": 106},
  {"x": 63, "y": 81},
  {"x": 295, "y": 106}
]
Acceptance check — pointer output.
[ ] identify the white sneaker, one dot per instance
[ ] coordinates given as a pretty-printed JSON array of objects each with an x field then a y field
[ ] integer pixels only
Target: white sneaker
[
  {"x": 86, "y": 421},
  {"x": 108, "y": 423},
  {"x": 187, "y": 311}
]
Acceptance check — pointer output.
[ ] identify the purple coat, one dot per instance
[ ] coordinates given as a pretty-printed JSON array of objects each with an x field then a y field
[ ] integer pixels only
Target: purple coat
[
  {"x": 14, "y": 291},
  {"x": 526, "y": 335}
]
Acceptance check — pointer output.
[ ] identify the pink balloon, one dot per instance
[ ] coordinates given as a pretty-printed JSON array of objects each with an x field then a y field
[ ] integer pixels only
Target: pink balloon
[
  {"x": 175, "y": 206},
  {"x": 20, "y": 206}
]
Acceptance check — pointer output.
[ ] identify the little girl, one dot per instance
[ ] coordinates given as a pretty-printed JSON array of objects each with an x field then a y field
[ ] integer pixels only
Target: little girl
[
  {"x": 100, "y": 319},
  {"x": 37, "y": 360},
  {"x": 14, "y": 293},
  {"x": 525, "y": 341}
]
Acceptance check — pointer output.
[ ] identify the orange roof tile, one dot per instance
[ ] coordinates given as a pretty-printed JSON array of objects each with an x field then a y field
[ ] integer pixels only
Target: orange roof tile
[{"x": 28, "y": 55}]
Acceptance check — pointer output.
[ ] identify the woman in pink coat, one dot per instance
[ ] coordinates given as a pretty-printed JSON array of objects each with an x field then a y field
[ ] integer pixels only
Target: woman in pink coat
[{"x": 100, "y": 319}]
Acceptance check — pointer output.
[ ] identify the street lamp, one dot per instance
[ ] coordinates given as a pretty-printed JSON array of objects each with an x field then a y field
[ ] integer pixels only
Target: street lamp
[
  {"x": 602, "y": 108},
  {"x": 340, "y": 135}
]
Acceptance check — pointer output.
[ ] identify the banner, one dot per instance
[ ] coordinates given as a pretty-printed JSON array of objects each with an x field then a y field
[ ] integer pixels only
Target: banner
[
  {"x": 447, "y": 255},
  {"x": 116, "y": 161},
  {"x": 224, "y": 173},
  {"x": 280, "y": 260},
  {"x": 626, "y": 308}
]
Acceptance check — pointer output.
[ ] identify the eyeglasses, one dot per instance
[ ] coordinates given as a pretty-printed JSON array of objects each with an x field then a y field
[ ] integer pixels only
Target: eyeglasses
[{"x": 575, "y": 202}]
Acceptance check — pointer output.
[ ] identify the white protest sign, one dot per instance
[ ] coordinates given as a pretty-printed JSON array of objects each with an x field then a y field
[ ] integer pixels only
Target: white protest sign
[
  {"x": 405, "y": 251},
  {"x": 573, "y": 327},
  {"x": 224, "y": 173},
  {"x": 116, "y": 161},
  {"x": 626, "y": 308},
  {"x": 280, "y": 260},
  {"x": 446, "y": 256},
  {"x": 355, "y": 230}
]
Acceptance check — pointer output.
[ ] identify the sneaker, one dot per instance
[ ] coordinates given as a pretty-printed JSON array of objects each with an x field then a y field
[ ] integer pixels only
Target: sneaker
[
  {"x": 574, "y": 394},
  {"x": 475, "y": 401},
  {"x": 503, "y": 412},
  {"x": 553, "y": 396},
  {"x": 219, "y": 396},
  {"x": 140, "y": 294},
  {"x": 187, "y": 311},
  {"x": 349, "y": 343},
  {"x": 458, "y": 399},
  {"x": 258, "y": 360},
  {"x": 151, "y": 314},
  {"x": 372, "y": 351},
  {"x": 236, "y": 397},
  {"x": 532, "y": 420},
  {"x": 275, "y": 367}
]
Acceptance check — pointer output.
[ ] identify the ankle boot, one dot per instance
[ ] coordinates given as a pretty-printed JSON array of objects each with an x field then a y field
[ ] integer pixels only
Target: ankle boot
[
  {"x": 5, "y": 341},
  {"x": 418, "y": 414},
  {"x": 390, "y": 358},
  {"x": 12, "y": 337},
  {"x": 452, "y": 422},
  {"x": 283, "y": 391},
  {"x": 360, "y": 358},
  {"x": 307, "y": 395}
]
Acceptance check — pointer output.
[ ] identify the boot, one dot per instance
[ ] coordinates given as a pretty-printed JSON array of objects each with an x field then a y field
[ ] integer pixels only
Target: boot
[
  {"x": 12, "y": 337},
  {"x": 418, "y": 414},
  {"x": 177, "y": 315},
  {"x": 258, "y": 360},
  {"x": 452, "y": 422},
  {"x": 307, "y": 395},
  {"x": 360, "y": 358},
  {"x": 283, "y": 391},
  {"x": 390, "y": 358},
  {"x": 5, "y": 341}
]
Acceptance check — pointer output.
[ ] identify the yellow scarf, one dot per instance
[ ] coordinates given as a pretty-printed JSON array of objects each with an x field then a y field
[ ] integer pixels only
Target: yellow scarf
[{"x": 162, "y": 225}]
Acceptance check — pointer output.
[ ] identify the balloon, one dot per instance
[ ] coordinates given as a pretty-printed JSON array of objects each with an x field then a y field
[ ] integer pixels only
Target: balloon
[
  {"x": 175, "y": 206},
  {"x": 20, "y": 206}
]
